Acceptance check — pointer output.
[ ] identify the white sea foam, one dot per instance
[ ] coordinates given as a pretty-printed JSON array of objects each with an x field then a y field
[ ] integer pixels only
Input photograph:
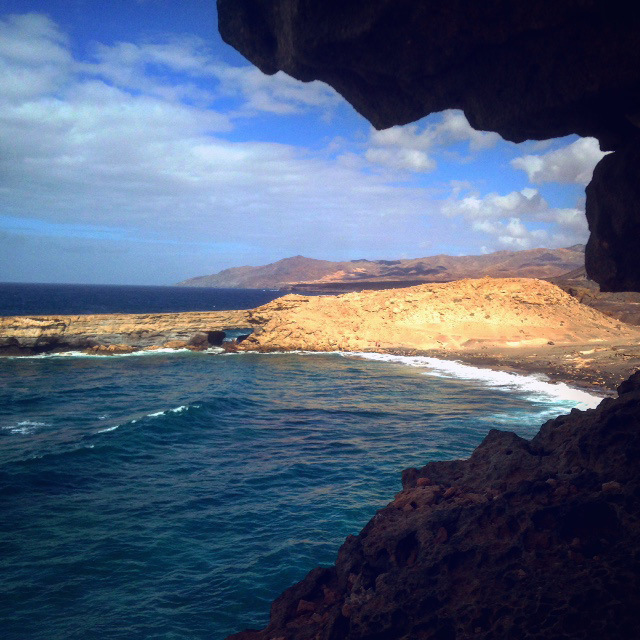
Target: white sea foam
[
  {"x": 82, "y": 354},
  {"x": 214, "y": 350},
  {"x": 108, "y": 429},
  {"x": 155, "y": 414},
  {"x": 180, "y": 409},
  {"x": 25, "y": 427},
  {"x": 537, "y": 387},
  {"x": 296, "y": 352}
]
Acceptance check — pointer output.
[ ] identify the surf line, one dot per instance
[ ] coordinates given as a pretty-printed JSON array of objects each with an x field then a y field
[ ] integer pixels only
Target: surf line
[{"x": 539, "y": 388}]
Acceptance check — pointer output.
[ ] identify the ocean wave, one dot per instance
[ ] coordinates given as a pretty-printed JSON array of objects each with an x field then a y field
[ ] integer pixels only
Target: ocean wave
[
  {"x": 180, "y": 409},
  {"x": 25, "y": 427},
  {"x": 109, "y": 429},
  {"x": 297, "y": 352},
  {"x": 536, "y": 386},
  {"x": 155, "y": 414},
  {"x": 82, "y": 354}
]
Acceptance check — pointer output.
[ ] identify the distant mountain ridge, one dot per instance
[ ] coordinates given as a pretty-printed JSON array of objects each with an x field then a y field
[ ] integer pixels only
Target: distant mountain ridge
[{"x": 300, "y": 273}]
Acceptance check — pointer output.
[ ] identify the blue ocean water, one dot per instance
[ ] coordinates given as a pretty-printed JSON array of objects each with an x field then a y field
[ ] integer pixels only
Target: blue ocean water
[
  {"x": 18, "y": 299},
  {"x": 175, "y": 495}
]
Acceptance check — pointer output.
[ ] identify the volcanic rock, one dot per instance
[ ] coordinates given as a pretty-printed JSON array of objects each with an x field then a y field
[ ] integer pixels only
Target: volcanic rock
[
  {"x": 216, "y": 338},
  {"x": 526, "y": 70},
  {"x": 111, "y": 349},
  {"x": 525, "y": 539},
  {"x": 613, "y": 213}
]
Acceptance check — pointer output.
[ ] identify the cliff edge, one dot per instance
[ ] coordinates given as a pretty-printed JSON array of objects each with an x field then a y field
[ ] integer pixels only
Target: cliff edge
[
  {"x": 525, "y": 539},
  {"x": 462, "y": 315},
  {"x": 115, "y": 332}
]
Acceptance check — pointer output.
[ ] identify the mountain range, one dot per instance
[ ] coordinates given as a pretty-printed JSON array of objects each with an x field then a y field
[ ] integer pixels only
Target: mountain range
[{"x": 307, "y": 274}]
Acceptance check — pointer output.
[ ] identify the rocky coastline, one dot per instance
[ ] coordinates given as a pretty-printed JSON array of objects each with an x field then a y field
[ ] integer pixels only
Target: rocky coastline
[
  {"x": 519, "y": 324},
  {"x": 525, "y": 539},
  {"x": 110, "y": 334}
]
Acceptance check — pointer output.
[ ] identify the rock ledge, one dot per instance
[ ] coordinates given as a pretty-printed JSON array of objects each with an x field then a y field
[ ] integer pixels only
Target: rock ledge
[{"x": 525, "y": 539}]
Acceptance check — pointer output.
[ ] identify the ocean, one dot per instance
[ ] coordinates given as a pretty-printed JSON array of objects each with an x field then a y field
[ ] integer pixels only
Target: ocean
[
  {"x": 175, "y": 495},
  {"x": 18, "y": 299}
]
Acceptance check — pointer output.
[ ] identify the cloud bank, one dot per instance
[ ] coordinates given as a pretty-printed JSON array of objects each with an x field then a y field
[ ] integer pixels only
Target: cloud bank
[
  {"x": 412, "y": 148},
  {"x": 140, "y": 162},
  {"x": 503, "y": 217},
  {"x": 571, "y": 164}
]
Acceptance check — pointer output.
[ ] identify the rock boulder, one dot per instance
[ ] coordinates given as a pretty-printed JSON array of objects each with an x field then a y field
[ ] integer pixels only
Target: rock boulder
[{"x": 525, "y": 539}]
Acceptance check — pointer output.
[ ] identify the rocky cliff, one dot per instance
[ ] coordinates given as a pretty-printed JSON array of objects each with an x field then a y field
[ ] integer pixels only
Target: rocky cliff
[
  {"x": 526, "y": 70},
  {"x": 120, "y": 333},
  {"x": 526, "y": 539}
]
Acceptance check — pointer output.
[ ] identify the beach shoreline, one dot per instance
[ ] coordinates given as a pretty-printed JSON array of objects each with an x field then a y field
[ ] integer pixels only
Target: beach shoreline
[
  {"x": 526, "y": 326},
  {"x": 600, "y": 371}
]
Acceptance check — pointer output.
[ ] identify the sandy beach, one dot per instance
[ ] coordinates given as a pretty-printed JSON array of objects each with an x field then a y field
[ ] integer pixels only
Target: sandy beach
[
  {"x": 596, "y": 368},
  {"x": 524, "y": 325}
]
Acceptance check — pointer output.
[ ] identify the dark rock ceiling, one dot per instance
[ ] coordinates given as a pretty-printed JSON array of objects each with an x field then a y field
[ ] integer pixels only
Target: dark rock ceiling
[{"x": 526, "y": 70}]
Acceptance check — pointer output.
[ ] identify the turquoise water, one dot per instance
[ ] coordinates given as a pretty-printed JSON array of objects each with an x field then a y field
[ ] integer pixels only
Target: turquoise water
[{"x": 175, "y": 495}]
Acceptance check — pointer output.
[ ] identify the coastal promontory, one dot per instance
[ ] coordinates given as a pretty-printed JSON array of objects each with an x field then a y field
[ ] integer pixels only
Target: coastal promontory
[
  {"x": 111, "y": 333},
  {"x": 531, "y": 325},
  {"x": 524, "y": 323}
]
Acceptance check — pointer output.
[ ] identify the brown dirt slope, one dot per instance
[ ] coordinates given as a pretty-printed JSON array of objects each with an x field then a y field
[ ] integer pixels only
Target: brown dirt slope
[{"x": 462, "y": 315}]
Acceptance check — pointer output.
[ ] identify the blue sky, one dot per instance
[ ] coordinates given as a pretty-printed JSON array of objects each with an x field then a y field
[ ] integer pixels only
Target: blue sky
[{"x": 138, "y": 148}]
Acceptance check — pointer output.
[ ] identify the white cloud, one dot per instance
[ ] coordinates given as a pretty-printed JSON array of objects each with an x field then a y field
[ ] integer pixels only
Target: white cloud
[
  {"x": 412, "y": 159},
  {"x": 571, "y": 164},
  {"x": 520, "y": 219},
  {"x": 108, "y": 144},
  {"x": 411, "y": 147},
  {"x": 177, "y": 68},
  {"x": 493, "y": 205},
  {"x": 279, "y": 94},
  {"x": 34, "y": 57}
]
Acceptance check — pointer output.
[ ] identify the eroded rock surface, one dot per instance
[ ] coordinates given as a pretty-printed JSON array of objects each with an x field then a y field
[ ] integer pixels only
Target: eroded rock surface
[
  {"x": 467, "y": 314},
  {"x": 526, "y": 70},
  {"x": 613, "y": 213},
  {"x": 525, "y": 539},
  {"x": 116, "y": 333}
]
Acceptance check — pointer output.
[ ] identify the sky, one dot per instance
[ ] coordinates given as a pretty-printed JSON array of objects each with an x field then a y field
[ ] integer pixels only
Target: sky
[{"x": 136, "y": 147}]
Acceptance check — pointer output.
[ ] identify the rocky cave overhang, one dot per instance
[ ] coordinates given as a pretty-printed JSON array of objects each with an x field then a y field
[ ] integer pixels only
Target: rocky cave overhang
[{"x": 526, "y": 70}]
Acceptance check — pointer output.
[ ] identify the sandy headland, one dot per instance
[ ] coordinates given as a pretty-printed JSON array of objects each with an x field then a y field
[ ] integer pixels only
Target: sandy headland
[
  {"x": 507, "y": 323},
  {"x": 523, "y": 324}
]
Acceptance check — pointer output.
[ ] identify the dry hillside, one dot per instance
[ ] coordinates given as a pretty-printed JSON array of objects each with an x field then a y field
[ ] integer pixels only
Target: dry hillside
[
  {"x": 467, "y": 314},
  {"x": 300, "y": 273}
]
